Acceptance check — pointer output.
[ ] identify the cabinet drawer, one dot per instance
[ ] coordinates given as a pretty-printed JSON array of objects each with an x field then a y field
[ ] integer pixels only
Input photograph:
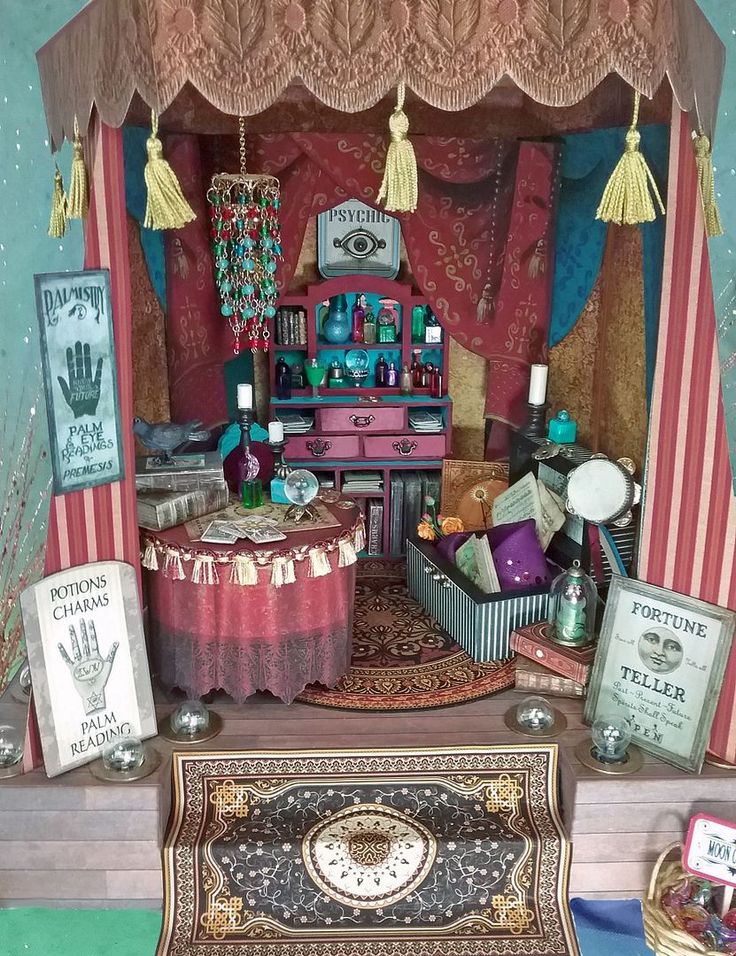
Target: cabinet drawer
[
  {"x": 318, "y": 446},
  {"x": 361, "y": 419},
  {"x": 404, "y": 446}
]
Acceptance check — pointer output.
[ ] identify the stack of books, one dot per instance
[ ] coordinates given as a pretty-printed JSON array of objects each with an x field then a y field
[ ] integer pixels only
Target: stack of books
[
  {"x": 295, "y": 423},
  {"x": 546, "y": 667},
  {"x": 362, "y": 481},
  {"x": 169, "y": 493},
  {"x": 425, "y": 422}
]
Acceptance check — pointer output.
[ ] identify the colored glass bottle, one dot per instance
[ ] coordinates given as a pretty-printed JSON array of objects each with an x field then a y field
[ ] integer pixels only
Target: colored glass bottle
[
  {"x": 416, "y": 369},
  {"x": 358, "y": 318},
  {"x": 283, "y": 378},
  {"x": 406, "y": 382},
  {"x": 381, "y": 370},
  {"x": 392, "y": 376},
  {"x": 417, "y": 323},
  {"x": 369, "y": 327},
  {"x": 336, "y": 328}
]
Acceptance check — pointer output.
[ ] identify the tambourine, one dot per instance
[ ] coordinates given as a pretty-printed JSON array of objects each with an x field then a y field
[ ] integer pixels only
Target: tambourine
[{"x": 603, "y": 491}]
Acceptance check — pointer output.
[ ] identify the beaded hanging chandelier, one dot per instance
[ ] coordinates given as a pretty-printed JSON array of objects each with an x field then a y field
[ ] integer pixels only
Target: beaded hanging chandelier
[{"x": 246, "y": 247}]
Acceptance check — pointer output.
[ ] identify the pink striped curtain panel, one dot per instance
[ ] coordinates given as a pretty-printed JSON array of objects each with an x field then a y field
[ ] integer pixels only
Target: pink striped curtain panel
[
  {"x": 689, "y": 519},
  {"x": 100, "y": 523}
]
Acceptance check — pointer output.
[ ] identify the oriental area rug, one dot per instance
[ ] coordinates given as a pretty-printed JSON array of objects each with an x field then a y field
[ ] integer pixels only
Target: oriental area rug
[
  {"x": 448, "y": 852},
  {"x": 402, "y": 659}
]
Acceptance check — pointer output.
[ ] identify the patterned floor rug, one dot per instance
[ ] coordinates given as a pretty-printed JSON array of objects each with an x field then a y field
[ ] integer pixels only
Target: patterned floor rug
[
  {"x": 402, "y": 659},
  {"x": 453, "y": 852}
]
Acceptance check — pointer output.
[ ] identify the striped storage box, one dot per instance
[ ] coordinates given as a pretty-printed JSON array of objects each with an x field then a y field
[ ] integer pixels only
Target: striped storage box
[{"x": 480, "y": 623}]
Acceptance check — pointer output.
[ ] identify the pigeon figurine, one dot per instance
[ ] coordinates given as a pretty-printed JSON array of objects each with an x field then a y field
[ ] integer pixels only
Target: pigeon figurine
[{"x": 166, "y": 436}]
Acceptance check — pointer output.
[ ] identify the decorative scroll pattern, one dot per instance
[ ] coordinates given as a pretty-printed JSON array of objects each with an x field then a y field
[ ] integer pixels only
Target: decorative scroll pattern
[{"x": 351, "y": 53}]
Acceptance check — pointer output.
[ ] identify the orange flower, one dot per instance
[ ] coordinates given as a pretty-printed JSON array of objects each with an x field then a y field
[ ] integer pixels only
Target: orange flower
[
  {"x": 426, "y": 531},
  {"x": 452, "y": 525}
]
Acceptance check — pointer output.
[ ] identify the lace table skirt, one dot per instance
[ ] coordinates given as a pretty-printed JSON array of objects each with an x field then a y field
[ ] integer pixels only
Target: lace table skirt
[{"x": 245, "y": 639}]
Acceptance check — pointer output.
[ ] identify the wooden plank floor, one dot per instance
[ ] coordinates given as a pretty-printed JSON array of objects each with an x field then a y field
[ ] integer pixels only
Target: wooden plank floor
[{"x": 75, "y": 841}]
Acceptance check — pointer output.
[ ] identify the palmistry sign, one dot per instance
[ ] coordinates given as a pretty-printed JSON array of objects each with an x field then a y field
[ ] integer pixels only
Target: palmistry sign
[
  {"x": 78, "y": 352},
  {"x": 88, "y": 662}
]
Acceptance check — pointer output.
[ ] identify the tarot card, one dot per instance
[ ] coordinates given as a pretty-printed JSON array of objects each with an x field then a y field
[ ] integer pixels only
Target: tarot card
[
  {"x": 216, "y": 534},
  {"x": 264, "y": 535}
]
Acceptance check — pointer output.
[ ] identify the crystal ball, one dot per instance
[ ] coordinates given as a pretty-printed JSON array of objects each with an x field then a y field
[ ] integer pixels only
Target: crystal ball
[
  {"x": 535, "y": 713},
  {"x": 611, "y": 735},
  {"x": 190, "y": 718},
  {"x": 301, "y": 486},
  {"x": 11, "y": 745},
  {"x": 124, "y": 755}
]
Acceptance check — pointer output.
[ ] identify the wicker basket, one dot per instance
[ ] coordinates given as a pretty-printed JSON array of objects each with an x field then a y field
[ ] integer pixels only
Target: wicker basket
[{"x": 661, "y": 936}]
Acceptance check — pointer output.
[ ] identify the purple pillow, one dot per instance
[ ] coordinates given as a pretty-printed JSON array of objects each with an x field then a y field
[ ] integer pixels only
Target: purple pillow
[
  {"x": 449, "y": 545},
  {"x": 518, "y": 556}
]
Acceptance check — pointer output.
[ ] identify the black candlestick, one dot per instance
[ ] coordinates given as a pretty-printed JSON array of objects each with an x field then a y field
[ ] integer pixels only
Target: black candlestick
[
  {"x": 280, "y": 467},
  {"x": 535, "y": 421},
  {"x": 247, "y": 417}
]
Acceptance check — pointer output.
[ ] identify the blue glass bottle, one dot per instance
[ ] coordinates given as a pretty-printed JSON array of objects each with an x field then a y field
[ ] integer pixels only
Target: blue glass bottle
[{"x": 336, "y": 328}]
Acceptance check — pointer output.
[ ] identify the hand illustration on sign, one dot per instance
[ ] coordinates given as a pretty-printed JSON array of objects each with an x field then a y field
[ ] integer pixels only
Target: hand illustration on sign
[
  {"x": 88, "y": 669},
  {"x": 81, "y": 392}
]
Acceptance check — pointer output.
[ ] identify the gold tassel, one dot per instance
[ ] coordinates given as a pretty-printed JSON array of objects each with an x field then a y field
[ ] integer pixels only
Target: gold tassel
[
  {"x": 166, "y": 207},
  {"x": 57, "y": 222},
  {"x": 77, "y": 205},
  {"x": 704, "y": 161},
  {"x": 400, "y": 184},
  {"x": 627, "y": 200}
]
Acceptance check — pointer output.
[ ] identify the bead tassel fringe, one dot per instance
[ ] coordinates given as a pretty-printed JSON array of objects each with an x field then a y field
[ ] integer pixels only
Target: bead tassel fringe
[
  {"x": 704, "y": 161},
  {"x": 627, "y": 199},
  {"x": 319, "y": 563},
  {"x": 347, "y": 553},
  {"x": 57, "y": 222},
  {"x": 77, "y": 205},
  {"x": 399, "y": 188},
  {"x": 166, "y": 207},
  {"x": 150, "y": 558},
  {"x": 243, "y": 571}
]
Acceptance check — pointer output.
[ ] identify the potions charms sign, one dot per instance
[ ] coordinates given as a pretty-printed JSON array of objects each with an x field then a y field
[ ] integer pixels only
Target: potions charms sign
[
  {"x": 78, "y": 353},
  {"x": 87, "y": 654}
]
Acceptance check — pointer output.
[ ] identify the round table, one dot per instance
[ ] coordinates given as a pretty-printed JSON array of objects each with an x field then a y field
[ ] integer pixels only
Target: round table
[{"x": 247, "y": 617}]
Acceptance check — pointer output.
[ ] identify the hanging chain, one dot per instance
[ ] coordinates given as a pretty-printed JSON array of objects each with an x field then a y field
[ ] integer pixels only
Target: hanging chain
[{"x": 241, "y": 128}]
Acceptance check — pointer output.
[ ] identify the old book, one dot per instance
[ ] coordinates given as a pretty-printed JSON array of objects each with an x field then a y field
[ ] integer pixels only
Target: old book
[
  {"x": 475, "y": 560},
  {"x": 537, "y": 679},
  {"x": 396, "y": 505},
  {"x": 375, "y": 526},
  {"x": 159, "y": 510},
  {"x": 181, "y": 473},
  {"x": 534, "y": 642}
]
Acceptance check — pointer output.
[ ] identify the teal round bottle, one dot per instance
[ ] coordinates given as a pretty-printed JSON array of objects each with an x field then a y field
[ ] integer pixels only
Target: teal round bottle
[{"x": 336, "y": 328}]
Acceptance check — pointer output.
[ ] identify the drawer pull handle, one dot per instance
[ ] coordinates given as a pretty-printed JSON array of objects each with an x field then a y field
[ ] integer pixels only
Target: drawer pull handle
[
  {"x": 318, "y": 447},
  {"x": 362, "y": 421},
  {"x": 405, "y": 447}
]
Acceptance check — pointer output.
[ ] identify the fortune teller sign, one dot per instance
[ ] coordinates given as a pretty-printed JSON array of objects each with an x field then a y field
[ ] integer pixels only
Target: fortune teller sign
[
  {"x": 87, "y": 654},
  {"x": 78, "y": 352}
]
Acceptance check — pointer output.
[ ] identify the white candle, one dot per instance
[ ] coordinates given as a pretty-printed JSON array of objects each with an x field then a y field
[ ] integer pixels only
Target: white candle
[
  {"x": 275, "y": 432},
  {"x": 538, "y": 385},
  {"x": 245, "y": 396}
]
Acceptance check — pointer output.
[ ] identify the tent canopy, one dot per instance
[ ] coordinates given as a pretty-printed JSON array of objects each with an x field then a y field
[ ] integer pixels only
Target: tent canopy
[{"x": 242, "y": 56}]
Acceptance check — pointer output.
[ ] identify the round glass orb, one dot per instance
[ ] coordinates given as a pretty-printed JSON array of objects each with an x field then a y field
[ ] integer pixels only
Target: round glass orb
[
  {"x": 611, "y": 735},
  {"x": 124, "y": 755},
  {"x": 190, "y": 718},
  {"x": 535, "y": 713},
  {"x": 11, "y": 745},
  {"x": 301, "y": 486}
]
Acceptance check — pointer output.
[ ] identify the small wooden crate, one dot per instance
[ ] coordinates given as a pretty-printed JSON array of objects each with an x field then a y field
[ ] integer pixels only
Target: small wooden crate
[{"x": 661, "y": 935}]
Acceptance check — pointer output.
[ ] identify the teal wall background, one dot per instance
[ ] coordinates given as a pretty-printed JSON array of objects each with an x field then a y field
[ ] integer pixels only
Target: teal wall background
[{"x": 26, "y": 176}]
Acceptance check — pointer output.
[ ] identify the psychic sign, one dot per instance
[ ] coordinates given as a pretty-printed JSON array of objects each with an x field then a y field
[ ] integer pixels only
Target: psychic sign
[
  {"x": 78, "y": 353},
  {"x": 87, "y": 654},
  {"x": 710, "y": 849},
  {"x": 660, "y": 663},
  {"x": 355, "y": 238}
]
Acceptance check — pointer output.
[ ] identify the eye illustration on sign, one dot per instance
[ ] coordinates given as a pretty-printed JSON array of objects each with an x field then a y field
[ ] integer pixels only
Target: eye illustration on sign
[{"x": 360, "y": 244}]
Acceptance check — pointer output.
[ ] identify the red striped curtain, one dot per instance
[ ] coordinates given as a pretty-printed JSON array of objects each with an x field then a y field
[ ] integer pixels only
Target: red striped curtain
[
  {"x": 100, "y": 524},
  {"x": 689, "y": 521}
]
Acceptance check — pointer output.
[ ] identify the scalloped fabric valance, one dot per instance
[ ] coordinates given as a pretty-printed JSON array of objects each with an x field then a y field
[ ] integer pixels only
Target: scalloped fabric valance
[{"x": 242, "y": 54}]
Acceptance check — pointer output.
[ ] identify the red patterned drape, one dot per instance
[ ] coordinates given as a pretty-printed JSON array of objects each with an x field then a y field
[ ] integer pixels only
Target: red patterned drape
[{"x": 457, "y": 240}]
